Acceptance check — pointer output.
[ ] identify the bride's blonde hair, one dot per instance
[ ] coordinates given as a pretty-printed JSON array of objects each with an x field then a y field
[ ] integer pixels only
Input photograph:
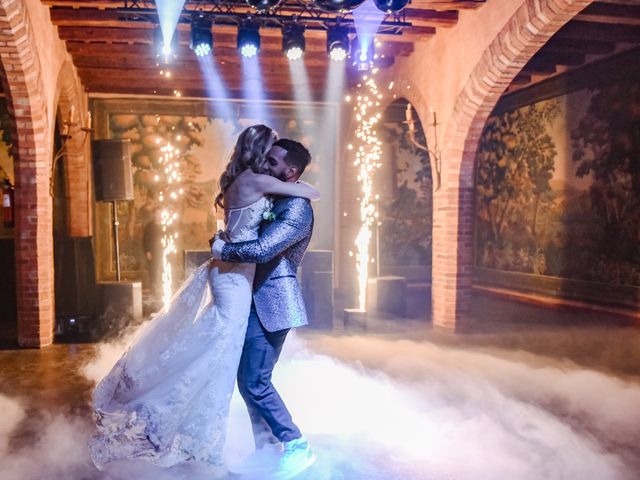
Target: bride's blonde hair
[{"x": 250, "y": 151}]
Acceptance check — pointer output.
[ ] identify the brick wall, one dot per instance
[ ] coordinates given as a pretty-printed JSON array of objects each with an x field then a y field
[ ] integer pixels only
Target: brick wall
[
  {"x": 30, "y": 56},
  {"x": 77, "y": 165}
]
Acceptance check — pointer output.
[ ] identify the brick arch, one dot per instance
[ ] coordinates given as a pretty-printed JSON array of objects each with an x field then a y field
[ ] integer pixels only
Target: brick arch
[
  {"x": 531, "y": 26},
  {"x": 76, "y": 161},
  {"x": 22, "y": 81}
]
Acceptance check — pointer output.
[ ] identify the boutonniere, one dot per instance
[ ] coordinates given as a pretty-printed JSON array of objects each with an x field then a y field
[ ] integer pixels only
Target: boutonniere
[{"x": 269, "y": 216}]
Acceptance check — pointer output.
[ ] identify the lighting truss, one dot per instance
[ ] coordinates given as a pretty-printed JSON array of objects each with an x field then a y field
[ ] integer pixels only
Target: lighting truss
[{"x": 235, "y": 12}]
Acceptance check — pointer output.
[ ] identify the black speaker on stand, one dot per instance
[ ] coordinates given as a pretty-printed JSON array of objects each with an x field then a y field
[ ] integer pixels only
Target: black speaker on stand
[
  {"x": 113, "y": 180},
  {"x": 113, "y": 183}
]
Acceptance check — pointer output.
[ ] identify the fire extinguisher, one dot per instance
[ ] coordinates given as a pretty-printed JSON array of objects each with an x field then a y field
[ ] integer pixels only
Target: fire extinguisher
[{"x": 8, "y": 204}]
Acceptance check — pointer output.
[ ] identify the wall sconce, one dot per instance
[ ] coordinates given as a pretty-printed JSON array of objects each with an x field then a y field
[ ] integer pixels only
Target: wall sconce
[
  {"x": 67, "y": 124},
  {"x": 435, "y": 156}
]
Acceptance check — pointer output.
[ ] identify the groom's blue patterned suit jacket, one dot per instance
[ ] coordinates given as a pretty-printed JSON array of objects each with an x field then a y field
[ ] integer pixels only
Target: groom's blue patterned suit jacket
[{"x": 278, "y": 252}]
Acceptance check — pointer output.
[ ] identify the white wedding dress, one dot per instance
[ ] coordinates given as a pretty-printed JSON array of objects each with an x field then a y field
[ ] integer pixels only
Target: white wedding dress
[{"x": 167, "y": 399}]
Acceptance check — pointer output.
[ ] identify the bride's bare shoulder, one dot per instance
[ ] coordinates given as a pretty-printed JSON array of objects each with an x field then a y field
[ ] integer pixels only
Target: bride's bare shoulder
[{"x": 247, "y": 176}]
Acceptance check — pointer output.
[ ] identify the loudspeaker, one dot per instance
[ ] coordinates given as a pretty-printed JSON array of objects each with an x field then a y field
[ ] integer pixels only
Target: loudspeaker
[{"x": 112, "y": 170}]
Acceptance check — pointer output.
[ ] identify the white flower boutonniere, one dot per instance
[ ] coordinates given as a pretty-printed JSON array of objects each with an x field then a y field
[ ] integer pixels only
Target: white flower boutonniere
[{"x": 269, "y": 216}]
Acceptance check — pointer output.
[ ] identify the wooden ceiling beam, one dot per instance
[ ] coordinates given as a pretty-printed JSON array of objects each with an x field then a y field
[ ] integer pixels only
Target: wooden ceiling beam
[
  {"x": 122, "y": 89},
  {"x": 521, "y": 80},
  {"x": 632, "y": 21},
  {"x": 232, "y": 84},
  {"x": 574, "y": 45},
  {"x": 168, "y": 95},
  {"x": 71, "y": 17},
  {"x": 220, "y": 54},
  {"x": 268, "y": 69},
  {"x": 614, "y": 9},
  {"x": 601, "y": 32},
  {"x": 559, "y": 58},
  {"x": 534, "y": 67}
]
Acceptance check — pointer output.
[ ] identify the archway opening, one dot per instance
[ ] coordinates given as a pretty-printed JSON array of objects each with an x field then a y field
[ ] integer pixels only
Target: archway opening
[
  {"x": 403, "y": 246},
  {"x": 8, "y": 299}
]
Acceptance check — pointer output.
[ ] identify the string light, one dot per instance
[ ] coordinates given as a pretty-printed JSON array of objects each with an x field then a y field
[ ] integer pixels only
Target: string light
[{"x": 368, "y": 151}]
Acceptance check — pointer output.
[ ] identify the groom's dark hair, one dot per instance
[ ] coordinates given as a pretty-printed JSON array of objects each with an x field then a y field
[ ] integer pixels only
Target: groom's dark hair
[{"x": 297, "y": 154}]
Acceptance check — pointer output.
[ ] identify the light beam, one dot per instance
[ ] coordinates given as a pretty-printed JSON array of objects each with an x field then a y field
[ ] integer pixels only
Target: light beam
[
  {"x": 169, "y": 14},
  {"x": 253, "y": 90},
  {"x": 367, "y": 18},
  {"x": 216, "y": 89}
]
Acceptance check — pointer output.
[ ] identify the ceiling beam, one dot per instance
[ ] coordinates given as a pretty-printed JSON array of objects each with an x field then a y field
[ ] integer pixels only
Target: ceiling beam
[
  {"x": 536, "y": 67},
  {"x": 613, "y": 10},
  {"x": 158, "y": 93},
  {"x": 601, "y": 32},
  {"x": 70, "y": 16},
  {"x": 575, "y": 45},
  {"x": 559, "y": 58}
]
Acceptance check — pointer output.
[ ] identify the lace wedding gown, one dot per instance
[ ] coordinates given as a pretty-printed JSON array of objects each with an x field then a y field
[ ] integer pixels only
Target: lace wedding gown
[{"x": 167, "y": 399}]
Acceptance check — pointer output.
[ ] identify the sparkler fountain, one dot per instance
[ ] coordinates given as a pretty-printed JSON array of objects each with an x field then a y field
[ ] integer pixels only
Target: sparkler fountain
[
  {"x": 368, "y": 149},
  {"x": 168, "y": 196}
]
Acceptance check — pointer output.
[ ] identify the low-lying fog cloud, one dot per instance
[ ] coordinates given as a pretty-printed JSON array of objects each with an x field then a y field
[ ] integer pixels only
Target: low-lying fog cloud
[{"x": 380, "y": 409}]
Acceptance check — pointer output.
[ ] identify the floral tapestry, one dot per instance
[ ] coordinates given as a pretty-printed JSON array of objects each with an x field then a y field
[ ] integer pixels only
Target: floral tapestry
[{"x": 558, "y": 186}]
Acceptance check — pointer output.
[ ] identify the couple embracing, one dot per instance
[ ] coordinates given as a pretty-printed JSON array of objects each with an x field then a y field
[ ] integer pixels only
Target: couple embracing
[{"x": 167, "y": 399}]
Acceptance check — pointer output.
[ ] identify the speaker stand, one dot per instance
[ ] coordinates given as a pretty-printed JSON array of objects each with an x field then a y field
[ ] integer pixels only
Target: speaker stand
[{"x": 116, "y": 224}]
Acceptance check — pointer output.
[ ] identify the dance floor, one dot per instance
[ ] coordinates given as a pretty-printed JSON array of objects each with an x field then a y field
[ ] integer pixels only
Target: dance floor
[{"x": 538, "y": 393}]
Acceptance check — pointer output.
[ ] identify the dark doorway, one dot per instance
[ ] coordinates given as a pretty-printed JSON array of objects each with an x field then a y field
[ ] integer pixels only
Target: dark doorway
[{"x": 73, "y": 265}]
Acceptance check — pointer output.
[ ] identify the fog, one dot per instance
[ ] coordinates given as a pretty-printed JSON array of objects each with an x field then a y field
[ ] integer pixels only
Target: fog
[{"x": 375, "y": 408}]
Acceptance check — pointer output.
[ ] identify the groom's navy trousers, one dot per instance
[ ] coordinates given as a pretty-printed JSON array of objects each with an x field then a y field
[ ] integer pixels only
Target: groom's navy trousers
[{"x": 269, "y": 415}]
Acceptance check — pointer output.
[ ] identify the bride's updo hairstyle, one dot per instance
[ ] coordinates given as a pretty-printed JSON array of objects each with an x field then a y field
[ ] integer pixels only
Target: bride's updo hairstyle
[{"x": 250, "y": 151}]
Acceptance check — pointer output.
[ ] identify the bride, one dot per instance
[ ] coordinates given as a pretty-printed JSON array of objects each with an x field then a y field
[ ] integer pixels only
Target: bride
[{"x": 167, "y": 399}]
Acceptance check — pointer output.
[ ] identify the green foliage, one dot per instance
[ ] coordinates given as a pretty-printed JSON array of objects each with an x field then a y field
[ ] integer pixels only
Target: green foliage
[
  {"x": 407, "y": 218},
  {"x": 407, "y": 229},
  {"x": 5, "y": 126},
  {"x": 516, "y": 158},
  {"x": 606, "y": 145},
  {"x": 523, "y": 225}
]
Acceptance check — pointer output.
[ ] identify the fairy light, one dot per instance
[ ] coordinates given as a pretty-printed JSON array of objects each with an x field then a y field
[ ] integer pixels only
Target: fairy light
[
  {"x": 368, "y": 151},
  {"x": 168, "y": 197}
]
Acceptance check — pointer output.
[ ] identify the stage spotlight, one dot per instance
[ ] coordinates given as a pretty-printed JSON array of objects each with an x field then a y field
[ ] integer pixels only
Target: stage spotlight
[
  {"x": 340, "y": 6},
  {"x": 264, "y": 5},
  {"x": 338, "y": 43},
  {"x": 293, "y": 41},
  {"x": 390, "y": 6},
  {"x": 249, "y": 40},
  {"x": 201, "y": 38},
  {"x": 363, "y": 55},
  {"x": 164, "y": 51}
]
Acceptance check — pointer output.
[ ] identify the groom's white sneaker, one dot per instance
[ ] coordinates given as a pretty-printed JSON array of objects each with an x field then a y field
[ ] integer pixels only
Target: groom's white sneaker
[
  {"x": 297, "y": 457},
  {"x": 261, "y": 460}
]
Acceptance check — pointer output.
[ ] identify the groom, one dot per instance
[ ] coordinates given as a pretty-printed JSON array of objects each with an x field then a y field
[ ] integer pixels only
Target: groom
[{"x": 276, "y": 308}]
